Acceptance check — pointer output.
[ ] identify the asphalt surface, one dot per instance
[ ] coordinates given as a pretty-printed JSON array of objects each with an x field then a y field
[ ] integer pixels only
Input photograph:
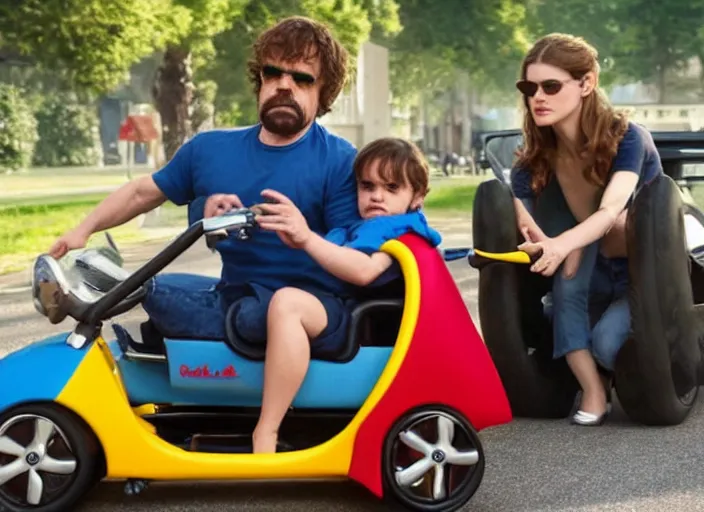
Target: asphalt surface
[{"x": 532, "y": 465}]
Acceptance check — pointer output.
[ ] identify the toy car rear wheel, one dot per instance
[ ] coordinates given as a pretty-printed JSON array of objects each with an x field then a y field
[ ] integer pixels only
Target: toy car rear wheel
[
  {"x": 433, "y": 460},
  {"x": 48, "y": 459}
]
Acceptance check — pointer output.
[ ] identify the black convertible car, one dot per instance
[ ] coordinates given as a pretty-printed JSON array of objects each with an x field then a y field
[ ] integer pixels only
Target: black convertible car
[{"x": 659, "y": 368}]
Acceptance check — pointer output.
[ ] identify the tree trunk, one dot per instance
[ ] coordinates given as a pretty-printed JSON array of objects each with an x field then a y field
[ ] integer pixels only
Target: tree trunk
[
  {"x": 428, "y": 143},
  {"x": 173, "y": 95},
  {"x": 466, "y": 141},
  {"x": 701, "y": 74},
  {"x": 662, "y": 73}
]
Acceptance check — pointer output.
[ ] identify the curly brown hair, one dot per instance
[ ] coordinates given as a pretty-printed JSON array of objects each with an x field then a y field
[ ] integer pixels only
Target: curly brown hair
[
  {"x": 299, "y": 38},
  {"x": 400, "y": 161},
  {"x": 602, "y": 127}
]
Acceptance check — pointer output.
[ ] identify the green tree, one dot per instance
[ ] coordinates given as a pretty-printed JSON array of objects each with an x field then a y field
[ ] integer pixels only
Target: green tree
[
  {"x": 68, "y": 132},
  {"x": 698, "y": 43},
  {"x": 98, "y": 41},
  {"x": 94, "y": 41},
  {"x": 656, "y": 39},
  {"x": 637, "y": 40},
  {"x": 173, "y": 87},
  {"x": 485, "y": 39},
  {"x": 18, "y": 129},
  {"x": 594, "y": 20}
]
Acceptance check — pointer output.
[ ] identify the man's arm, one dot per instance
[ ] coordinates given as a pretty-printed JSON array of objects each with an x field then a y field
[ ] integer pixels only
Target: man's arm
[
  {"x": 124, "y": 204},
  {"x": 172, "y": 182},
  {"x": 134, "y": 198}
]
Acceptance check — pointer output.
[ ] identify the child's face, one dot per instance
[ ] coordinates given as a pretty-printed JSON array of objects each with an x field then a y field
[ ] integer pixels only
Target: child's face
[{"x": 377, "y": 197}]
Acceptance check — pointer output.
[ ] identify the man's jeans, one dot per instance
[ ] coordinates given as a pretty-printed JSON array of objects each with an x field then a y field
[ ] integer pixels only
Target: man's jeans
[{"x": 186, "y": 306}]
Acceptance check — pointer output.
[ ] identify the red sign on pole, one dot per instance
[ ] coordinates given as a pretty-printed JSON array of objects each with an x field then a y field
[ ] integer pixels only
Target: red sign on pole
[{"x": 138, "y": 128}]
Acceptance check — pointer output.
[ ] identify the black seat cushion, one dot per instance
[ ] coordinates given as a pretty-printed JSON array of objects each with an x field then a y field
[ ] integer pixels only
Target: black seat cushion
[{"x": 359, "y": 323}]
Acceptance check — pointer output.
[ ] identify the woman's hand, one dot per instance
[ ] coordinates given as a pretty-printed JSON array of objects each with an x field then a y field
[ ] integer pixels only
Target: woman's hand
[
  {"x": 534, "y": 234},
  {"x": 284, "y": 218},
  {"x": 554, "y": 252}
]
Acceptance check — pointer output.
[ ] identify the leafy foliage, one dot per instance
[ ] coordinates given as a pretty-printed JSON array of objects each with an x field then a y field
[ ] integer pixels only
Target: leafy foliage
[
  {"x": 485, "y": 39},
  {"x": 68, "y": 133},
  {"x": 637, "y": 40},
  {"x": 18, "y": 129},
  {"x": 96, "y": 40},
  {"x": 656, "y": 38},
  {"x": 201, "y": 21}
]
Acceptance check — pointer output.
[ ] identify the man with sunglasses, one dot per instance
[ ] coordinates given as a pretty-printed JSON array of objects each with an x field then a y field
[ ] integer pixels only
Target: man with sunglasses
[{"x": 297, "y": 71}]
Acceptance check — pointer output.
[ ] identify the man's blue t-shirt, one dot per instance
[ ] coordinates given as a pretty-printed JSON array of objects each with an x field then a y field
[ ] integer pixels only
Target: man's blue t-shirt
[
  {"x": 636, "y": 153},
  {"x": 315, "y": 172}
]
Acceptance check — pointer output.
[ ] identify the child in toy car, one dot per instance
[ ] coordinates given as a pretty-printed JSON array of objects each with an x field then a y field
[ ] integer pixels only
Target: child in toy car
[{"x": 392, "y": 178}]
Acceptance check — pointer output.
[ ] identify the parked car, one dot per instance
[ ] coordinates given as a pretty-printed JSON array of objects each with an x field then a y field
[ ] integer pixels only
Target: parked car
[{"x": 657, "y": 372}]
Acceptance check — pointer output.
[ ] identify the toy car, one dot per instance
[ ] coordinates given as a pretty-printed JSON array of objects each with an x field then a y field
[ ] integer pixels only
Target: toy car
[
  {"x": 656, "y": 376},
  {"x": 398, "y": 410}
]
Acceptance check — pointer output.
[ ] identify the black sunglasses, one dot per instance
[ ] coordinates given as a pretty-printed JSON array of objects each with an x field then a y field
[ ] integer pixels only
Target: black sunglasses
[
  {"x": 549, "y": 87},
  {"x": 299, "y": 77}
]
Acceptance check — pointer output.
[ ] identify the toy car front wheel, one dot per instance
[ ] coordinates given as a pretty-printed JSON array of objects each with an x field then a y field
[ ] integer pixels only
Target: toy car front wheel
[
  {"x": 48, "y": 459},
  {"x": 433, "y": 460}
]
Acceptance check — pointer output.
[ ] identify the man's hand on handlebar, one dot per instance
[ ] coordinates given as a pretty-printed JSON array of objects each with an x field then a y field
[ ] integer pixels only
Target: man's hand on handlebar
[
  {"x": 74, "y": 239},
  {"x": 278, "y": 213},
  {"x": 218, "y": 204}
]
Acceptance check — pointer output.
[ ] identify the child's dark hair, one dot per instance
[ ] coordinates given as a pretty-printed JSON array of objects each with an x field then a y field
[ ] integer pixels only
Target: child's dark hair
[{"x": 400, "y": 161}]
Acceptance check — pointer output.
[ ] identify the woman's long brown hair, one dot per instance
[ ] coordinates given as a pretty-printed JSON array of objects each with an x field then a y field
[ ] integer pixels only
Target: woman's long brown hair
[{"x": 602, "y": 127}]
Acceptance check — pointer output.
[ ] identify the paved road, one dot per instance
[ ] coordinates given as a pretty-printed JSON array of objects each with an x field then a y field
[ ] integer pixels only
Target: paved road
[{"x": 531, "y": 465}]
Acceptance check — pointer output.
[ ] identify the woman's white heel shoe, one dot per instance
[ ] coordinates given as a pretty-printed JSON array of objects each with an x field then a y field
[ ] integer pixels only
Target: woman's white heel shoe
[{"x": 588, "y": 419}]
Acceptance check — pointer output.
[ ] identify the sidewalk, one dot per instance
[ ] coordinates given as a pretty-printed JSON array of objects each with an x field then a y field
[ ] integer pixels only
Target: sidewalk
[
  {"x": 456, "y": 232},
  {"x": 67, "y": 189}
]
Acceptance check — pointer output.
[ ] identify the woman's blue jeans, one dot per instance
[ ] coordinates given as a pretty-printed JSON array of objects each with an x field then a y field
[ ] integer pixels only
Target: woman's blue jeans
[{"x": 590, "y": 310}]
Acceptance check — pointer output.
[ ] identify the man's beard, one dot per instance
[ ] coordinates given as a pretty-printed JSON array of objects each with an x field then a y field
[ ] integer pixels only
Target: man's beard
[{"x": 283, "y": 122}]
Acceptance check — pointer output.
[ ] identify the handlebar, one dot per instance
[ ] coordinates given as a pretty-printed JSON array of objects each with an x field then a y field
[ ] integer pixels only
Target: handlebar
[
  {"x": 479, "y": 259},
  {"x": 90, "y": 306},
  {"x": 241, "y": 221}
]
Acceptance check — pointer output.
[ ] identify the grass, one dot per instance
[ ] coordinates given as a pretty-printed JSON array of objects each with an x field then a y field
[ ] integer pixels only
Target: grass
[
  {"x": 451, "y": 199},
  {"x": 30, "y": 225},
  {"x": 62, "y": 181},
  {"x": 698, "y": 195}
]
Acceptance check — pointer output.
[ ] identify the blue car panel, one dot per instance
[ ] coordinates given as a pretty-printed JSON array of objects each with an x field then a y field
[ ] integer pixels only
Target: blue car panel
[
  {"x": 38, "y": 372},
  {"x": 210, "y": 373}
]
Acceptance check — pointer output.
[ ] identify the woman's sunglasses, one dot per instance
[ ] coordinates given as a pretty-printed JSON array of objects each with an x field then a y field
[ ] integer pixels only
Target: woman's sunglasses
[
  {"x": 299, "y": 77},
  {"x": 549, "y": 87}
]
